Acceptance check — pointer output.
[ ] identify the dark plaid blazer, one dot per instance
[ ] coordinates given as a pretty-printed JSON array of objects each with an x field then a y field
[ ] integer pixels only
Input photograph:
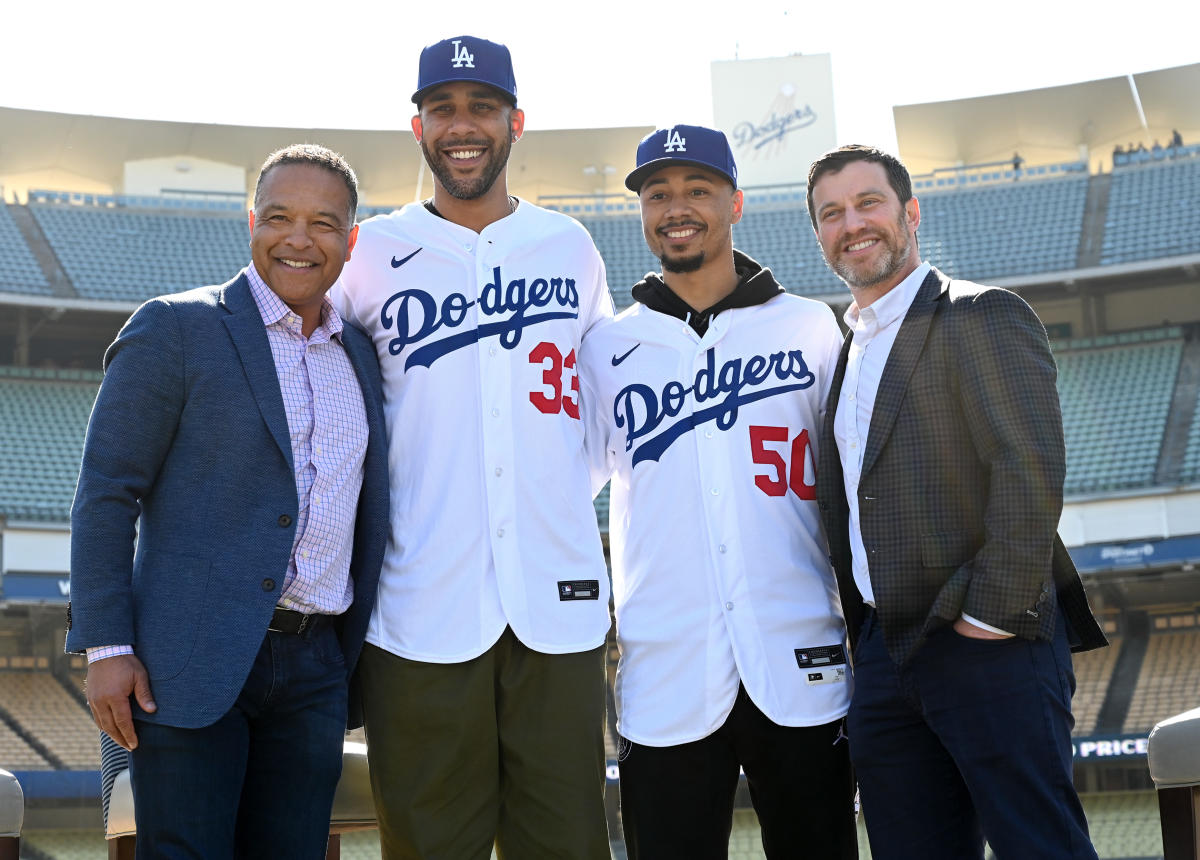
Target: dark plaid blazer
[{"x": 962, "y": 479}]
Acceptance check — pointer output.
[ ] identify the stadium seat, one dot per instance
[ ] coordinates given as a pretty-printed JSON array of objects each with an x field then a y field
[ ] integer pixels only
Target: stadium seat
[
  {"x": 353, "y": 806},
  {"x": 12, "y": 816},
  {"x": 1174, "y": 759}
]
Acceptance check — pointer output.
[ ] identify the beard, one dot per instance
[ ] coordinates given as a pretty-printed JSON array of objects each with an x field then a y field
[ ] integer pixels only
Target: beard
[
  {"x": 469, "y": 189},
  {"x": 682, "y": 265},
  {"x": 890, "y": 262}
]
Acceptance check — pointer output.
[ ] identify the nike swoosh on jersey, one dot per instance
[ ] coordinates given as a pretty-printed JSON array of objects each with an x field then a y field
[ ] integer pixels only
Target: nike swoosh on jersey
[
  {"x": 396, "y": 264},
  {"x": 618, "y": 359}
]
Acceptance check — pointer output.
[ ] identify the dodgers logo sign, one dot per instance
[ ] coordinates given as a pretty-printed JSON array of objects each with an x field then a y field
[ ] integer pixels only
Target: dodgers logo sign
[
  {"x": 772, "y": 129},
  {"x": 641, "y": 410},
  {"x": 416, "y": 316},
  {"x": 462, "y": 57},
  {"x": 675, "y": 143}
]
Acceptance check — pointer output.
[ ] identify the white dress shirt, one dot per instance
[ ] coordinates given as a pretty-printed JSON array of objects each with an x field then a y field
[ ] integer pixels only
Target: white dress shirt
[{"x": 874, "y": 328}]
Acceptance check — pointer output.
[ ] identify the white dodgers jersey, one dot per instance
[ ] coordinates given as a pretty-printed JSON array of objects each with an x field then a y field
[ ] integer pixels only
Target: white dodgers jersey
[
  {"x": 478, "y": 337},
  {"x": 720, "y": 568}
]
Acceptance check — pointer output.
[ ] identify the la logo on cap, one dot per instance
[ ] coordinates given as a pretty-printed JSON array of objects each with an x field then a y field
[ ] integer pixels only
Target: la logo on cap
[
  {"x": 462, "y": 57},
  {"x": 675, "y": 143}
]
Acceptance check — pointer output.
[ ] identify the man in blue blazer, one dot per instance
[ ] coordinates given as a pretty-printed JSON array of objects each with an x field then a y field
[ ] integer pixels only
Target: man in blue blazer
[{"x": 228, "y": 531}]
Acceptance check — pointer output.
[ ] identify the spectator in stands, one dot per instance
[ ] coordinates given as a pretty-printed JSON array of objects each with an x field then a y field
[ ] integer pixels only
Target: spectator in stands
[
  {"x": 940, "y": 481},
  {"x": 238, "y": 433},
  {"x": 1176, "y": 138},
  {"x": 1017, "y": 162},
  {"x": 483, "y": 674},
  {"x": 769, "y": 693}
]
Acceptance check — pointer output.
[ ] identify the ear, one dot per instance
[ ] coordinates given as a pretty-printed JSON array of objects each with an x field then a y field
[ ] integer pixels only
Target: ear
[
  {"x": 738, "y": 200},
  {"x": 251, "y": 220},
  {"x": 416, "y": 127},
  {"x": 350, "y": 242},
  {"x": 518, "y": 124},
  {"x": 912, "y": 213}
]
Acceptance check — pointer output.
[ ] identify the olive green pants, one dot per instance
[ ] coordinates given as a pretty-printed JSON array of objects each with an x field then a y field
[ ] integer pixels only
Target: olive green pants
[{"x": 507, "y": 748}]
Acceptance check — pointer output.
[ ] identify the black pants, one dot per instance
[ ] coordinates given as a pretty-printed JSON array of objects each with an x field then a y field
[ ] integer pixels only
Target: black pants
[{"x": 677, "y": 801}]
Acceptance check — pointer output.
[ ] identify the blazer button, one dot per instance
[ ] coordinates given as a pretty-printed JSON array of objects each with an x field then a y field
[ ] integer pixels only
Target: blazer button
[
  {"x": 284, "y": 521},
  {"x": 268, "y": 584}
]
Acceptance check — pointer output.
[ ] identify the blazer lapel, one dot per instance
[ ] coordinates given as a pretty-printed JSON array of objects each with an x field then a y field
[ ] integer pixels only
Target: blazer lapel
[
  {"x": 910, "y": 341},
  {"x": 249, "y": 336}
]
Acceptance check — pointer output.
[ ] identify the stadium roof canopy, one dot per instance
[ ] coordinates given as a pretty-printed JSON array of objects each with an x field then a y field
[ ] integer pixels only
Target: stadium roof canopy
[
  {"x": 72, "y": 152},
  {"x": 1055, "y": 124}
]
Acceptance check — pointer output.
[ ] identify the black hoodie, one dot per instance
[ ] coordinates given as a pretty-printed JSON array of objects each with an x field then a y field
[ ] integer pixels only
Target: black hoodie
[{"x": 756, "y": 285}]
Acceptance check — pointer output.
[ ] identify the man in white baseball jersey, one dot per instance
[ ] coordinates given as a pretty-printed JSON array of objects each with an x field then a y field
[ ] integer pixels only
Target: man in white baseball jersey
[
  {"x": 482, "y": 679},
  {"x": 705, "y": 397}
]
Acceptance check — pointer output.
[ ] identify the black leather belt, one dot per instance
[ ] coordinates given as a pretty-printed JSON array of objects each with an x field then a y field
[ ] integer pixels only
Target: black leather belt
[{"x": 291, "y": 621}]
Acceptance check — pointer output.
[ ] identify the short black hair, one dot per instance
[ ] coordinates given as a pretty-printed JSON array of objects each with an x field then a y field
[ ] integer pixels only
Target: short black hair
[
  {"x": 836, "y": 159},
  {"x": 315, "y": 154}
]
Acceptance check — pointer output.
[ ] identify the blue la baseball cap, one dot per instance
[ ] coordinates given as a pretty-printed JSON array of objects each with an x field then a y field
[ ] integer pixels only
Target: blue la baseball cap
[
  {"x": 466, "y": 58},
  {"x": 682, "y": 144}
]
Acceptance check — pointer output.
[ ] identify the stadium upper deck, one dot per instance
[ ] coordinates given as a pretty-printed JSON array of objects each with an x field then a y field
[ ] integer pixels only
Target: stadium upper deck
[{"x": 1006, "y": 229}]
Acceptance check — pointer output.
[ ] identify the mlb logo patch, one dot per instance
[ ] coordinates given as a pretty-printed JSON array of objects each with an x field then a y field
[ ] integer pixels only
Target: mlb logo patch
[{"x": 579, "y": 589}]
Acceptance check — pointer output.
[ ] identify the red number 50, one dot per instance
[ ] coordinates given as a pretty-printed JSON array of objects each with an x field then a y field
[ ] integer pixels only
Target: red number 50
[
  {"x": 761, "y": 454},
  {"x": 552, "y": 377}
]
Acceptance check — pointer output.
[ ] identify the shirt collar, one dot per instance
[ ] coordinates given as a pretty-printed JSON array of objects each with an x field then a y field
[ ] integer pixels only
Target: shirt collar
[
  {"x": 887, "y": 309},
  {"x": 273, "y": 309}
]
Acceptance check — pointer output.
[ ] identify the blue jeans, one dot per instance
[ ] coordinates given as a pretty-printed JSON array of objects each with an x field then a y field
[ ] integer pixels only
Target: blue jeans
[
  {"x": 259, "y": 781},
  {"x": 970, "y": 738}
]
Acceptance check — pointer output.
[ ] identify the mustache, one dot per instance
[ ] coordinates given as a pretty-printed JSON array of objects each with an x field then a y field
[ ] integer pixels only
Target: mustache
[{"x": 680, "y": 224}]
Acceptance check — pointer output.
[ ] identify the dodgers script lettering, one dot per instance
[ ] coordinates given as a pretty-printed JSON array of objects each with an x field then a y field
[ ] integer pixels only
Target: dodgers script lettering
[
  {"x": 746, "y": 133},
  {"x": 415, "y": 315},
  {"x": 640, "y": 409}
]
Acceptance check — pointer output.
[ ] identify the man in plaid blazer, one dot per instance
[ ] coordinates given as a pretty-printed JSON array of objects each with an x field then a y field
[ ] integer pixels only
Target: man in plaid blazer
[{"x": 941, "y": 466}]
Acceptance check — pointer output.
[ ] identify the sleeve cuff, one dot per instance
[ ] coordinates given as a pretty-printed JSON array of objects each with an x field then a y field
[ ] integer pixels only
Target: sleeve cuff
[
  {"x": 102, "y": 651},
  {"x": 965, "y": 617}
]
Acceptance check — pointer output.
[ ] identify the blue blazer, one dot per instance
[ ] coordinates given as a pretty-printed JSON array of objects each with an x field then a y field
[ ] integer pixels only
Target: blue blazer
[{"x": 185, "y": 512}]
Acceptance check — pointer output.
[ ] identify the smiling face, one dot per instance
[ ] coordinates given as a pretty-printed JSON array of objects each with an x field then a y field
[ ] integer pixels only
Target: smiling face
[
  {"x": 687, "y": 216},
  {"x": 868, "y": 237},
  {"x": 301, "y": 235},
  {"x": 466, "y": 131}
]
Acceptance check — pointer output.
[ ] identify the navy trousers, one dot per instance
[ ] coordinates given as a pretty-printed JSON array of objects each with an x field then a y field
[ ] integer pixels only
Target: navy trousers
[
  {"x": 259, "y": 781},
  {"x": 970, "y": 739}
]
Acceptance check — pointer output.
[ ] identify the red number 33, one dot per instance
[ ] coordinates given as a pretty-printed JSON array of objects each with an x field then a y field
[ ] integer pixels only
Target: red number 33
[{"x": 552, "y": 378}]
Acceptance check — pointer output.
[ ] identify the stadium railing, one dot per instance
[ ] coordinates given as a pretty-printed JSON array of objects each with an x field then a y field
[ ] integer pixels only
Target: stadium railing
[
  {"x": 1174, "y": 759},
  {"x": 12, "y": 816},
  {"x": 205, "y": 201},
  {"x": 353, "y": 806},
  {"x": 1146, "y": 156},
  {"x": 971, "y": 175}
]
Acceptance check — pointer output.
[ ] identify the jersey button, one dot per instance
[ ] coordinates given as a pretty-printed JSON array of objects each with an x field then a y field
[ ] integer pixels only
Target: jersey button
[
  {"x": 495, "y": 413},
  {"x": 729, "y": 606},
  {"x": 284, "y": 521},
  {"x": 268, "y": 584},
  {"x": 715, "y": 491},
  {"x": 499, "y": 532},
  {"x": 721, "y": 548},
  {"x": 499, "y": 471}
]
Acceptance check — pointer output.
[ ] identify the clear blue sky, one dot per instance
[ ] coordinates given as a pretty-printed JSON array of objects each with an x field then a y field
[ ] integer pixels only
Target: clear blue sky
[{"x": 308, "y": 64}]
